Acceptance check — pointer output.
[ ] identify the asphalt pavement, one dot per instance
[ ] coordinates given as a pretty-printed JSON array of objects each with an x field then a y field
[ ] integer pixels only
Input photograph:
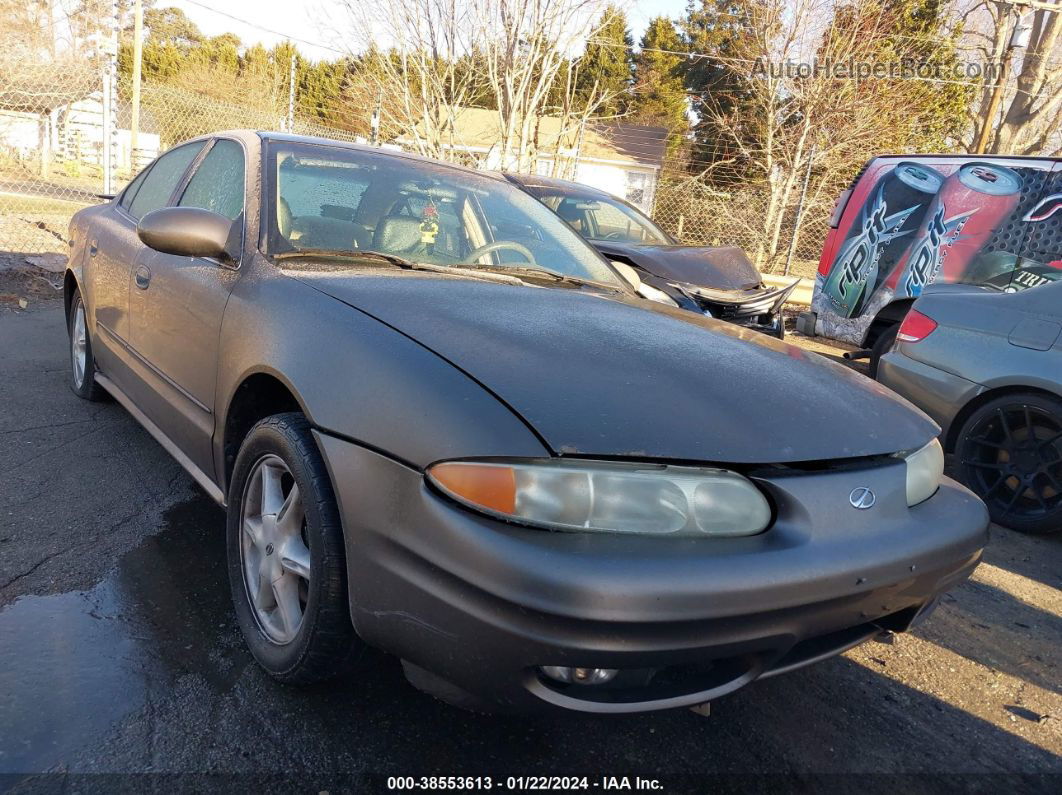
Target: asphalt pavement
[{"x": 120, "y": 660}]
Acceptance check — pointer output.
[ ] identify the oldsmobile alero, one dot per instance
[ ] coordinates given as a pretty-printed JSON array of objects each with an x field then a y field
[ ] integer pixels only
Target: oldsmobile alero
[{"x": 442, "y": 425}]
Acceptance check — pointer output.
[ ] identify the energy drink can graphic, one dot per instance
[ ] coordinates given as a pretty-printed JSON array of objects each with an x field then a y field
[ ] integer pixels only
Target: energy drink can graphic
[
  {"x": 971, "y": 205},
  {"x": 880, "y": 235}
]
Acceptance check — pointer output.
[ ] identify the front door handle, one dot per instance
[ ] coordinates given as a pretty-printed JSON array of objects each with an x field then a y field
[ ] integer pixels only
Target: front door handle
[{"x": 142, "y": 277}]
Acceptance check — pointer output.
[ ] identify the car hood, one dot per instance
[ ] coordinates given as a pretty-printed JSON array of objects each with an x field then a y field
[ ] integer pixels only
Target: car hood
[
  {"x": 600, "y": 374},
  {"x": 721, "y": 267}
]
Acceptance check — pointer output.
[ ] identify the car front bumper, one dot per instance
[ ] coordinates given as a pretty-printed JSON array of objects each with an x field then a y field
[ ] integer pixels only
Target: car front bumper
[
  {"x": 938, "y": 393},
  {"x": 483, "y": 603}
]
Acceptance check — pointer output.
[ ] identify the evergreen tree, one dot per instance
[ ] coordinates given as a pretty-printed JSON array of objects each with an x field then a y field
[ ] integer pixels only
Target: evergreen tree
[
  {"x": 608, "y": 63},
  {"x": 659, "y": 89}
]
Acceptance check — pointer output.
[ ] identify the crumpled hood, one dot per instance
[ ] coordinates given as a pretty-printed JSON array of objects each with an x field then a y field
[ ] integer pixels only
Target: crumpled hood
[
  {"x": 721, "y": 267},
  {"x": 602, "y": 375}
]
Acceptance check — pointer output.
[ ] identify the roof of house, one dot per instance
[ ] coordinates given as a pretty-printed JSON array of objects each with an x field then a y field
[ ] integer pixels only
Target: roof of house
[{"x": 478, "y": 128}]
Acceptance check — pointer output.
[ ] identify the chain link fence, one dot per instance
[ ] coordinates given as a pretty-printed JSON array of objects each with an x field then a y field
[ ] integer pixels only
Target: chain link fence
[{"x": 699, "y": 214}]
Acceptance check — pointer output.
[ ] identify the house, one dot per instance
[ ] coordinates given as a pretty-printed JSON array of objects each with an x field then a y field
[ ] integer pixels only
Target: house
[
  {"x": 622, "y": 159},
  {"x": 73, "y": 133}
]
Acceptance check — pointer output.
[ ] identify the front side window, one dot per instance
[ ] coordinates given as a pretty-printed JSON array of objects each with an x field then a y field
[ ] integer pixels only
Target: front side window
[
  {"x": 217, "y": 184},
  {"x": 336, "y": 199},
  {"x": 162, "y": 179}
]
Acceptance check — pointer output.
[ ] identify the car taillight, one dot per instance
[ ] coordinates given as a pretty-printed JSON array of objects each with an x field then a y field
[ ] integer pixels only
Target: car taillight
[{"x": 915, "y": 327}]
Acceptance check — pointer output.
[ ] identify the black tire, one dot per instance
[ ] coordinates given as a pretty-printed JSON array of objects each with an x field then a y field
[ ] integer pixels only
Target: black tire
[
  {"x": 325, "y": 644},
  {"x": 882, "y": 345},
  {"x": 1009, "y": 452},
  {"x": 87, "y": 388}
]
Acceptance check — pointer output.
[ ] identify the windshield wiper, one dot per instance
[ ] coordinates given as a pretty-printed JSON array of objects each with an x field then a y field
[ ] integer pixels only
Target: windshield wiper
[
  {"x": 530, "y": 272},
  {"x": 342, "y": 253}
]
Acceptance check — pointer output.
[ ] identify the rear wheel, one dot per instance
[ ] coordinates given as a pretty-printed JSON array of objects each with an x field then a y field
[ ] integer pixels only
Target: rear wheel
[
  {"x": 82, "y": 363},
  {"x": 287, "y": 563},
  {"x": 1010, "y": 453}
]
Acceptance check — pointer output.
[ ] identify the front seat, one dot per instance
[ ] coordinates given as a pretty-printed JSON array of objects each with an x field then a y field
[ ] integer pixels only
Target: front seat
[
  {"x": 284, "y": 218},
  {"x": 398, "y": 234},
  {"x": 572, "y": 215}
]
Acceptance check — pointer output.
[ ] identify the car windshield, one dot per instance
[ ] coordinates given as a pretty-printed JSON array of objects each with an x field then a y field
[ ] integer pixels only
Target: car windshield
[
  {"x": 340, "y": 200},
  {"x": 598, "y": 217}
]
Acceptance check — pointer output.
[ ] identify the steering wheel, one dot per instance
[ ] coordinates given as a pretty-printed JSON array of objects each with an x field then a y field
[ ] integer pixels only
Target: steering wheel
[
  {"x": 500, "y": 245},
  {"x": 613, "y": 236}
]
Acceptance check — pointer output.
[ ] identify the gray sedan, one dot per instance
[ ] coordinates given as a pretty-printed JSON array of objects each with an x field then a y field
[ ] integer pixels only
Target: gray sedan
[
  {"x": 987, "y": 366},
  {"x": 443, "y": 425}
]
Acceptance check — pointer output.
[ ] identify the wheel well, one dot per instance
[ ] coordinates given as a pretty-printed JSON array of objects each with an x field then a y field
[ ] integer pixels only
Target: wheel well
[
  {"x": 964, "y": 413},
  {"x": 259, "y": 396},
  {"x": 69, "y": 285},
  {"x": 888, "y": 316}
]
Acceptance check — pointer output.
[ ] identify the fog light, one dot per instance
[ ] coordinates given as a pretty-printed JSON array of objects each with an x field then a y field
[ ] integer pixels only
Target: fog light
[{"x": 579, "y": 676}]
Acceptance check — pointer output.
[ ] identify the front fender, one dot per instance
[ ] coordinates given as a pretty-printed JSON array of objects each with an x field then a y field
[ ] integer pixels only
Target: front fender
[{"x": 357, "y": 378}]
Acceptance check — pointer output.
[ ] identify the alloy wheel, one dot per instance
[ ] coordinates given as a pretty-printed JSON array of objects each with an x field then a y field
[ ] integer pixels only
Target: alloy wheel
[
  {"x": 78, "y": 347},
  {"x": 1013, "y": 459},
  {"x": 275, "y": 552}
]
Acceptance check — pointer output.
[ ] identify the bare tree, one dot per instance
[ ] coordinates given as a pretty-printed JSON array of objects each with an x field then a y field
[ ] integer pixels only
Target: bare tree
[
  {"x": 429, "y": 59},
  {"x": 525, "y": 45},
  {"x": 1021, "y": 111},
  {"x": 414, "y": 54}
]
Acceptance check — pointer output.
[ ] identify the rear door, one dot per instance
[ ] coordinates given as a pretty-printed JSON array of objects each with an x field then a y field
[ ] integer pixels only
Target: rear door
[{"x": 177, "y": 305}]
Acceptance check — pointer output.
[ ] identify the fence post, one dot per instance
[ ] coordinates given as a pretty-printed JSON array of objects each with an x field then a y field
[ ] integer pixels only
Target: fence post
[
  {"x": 138, "y": 56},
  {"x": 799, "y": 213},
  {"x": 681, "y": 224},
  {"x": 107, "y": 130},
  {"x": 291, "y": 92}
]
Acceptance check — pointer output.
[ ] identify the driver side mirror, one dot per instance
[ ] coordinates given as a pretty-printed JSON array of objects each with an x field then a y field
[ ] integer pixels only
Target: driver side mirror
[{"x": 187, "y": 232}]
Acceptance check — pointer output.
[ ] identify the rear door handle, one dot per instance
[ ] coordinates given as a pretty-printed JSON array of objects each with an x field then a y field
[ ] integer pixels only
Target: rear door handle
[
  {"x": 93, "y": 248},
  {"x": 142, "y": 277}
]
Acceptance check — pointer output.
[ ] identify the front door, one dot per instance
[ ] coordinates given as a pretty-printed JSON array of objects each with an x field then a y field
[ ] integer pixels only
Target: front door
[
  {"x": 112, "y": 252},
  {"x": 177, "y": 304}
]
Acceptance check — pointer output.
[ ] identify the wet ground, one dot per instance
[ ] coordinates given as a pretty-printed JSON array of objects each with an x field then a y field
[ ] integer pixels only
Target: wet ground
[{"x": 119, "y": 655}]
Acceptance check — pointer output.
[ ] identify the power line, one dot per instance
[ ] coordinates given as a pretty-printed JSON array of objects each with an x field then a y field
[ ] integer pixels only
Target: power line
[{"x": 264, "y": 29}]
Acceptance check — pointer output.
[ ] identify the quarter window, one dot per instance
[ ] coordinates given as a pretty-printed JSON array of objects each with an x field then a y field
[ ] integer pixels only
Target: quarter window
[{"x": 217, "y": 184}]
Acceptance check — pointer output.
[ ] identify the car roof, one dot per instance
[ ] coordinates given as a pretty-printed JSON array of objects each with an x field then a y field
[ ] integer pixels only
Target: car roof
[
  {"x": 272, "y": 135},
  {"x": 535, "y": 181}
]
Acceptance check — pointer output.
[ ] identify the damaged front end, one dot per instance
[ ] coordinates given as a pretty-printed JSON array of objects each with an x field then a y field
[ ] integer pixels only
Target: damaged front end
[{"x": 758, "y": 308}]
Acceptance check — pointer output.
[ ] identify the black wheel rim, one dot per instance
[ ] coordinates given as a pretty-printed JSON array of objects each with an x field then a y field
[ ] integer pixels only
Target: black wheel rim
[{"x": 1012, "y": 458}]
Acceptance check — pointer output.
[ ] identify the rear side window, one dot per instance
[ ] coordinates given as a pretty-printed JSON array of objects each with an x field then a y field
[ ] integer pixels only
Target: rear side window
[
  {"x": 217, "y": 184},
  {"x": 160, "y": 181}
]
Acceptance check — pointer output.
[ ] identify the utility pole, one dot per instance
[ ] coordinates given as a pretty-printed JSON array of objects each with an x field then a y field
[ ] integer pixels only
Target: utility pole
[
  {"x": 1019, "y": 38},
  {"x": 138, "y": 57}
]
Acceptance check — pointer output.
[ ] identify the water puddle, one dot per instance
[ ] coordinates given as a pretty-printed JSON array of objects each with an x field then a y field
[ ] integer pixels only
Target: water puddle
[{"x": 72, "y": 664}]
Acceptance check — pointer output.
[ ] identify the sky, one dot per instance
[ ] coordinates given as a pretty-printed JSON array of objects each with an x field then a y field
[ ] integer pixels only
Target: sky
[{"x": 316, "y": 25}]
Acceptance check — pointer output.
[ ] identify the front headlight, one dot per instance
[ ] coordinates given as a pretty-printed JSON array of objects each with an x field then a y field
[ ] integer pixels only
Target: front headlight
[
  {"x": 642, "y": 499},
  {"x": 925, "y": 468}
]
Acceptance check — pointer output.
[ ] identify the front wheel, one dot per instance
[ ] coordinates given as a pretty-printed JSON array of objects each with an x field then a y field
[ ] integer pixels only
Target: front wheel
[
  {"x": 1010, "y": 453},
  {"x": 287, "y": 563},
  {"x": 82, "y": 362}
]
